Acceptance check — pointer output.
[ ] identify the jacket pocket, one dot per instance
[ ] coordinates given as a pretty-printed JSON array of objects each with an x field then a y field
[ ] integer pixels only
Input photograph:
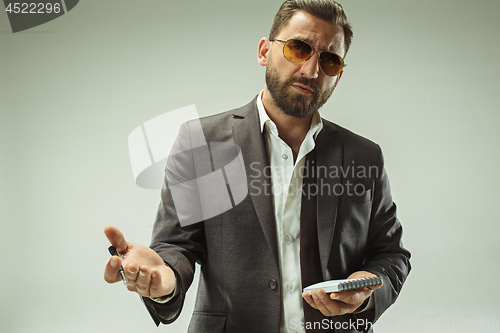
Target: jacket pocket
[{"x": 207, "y": 323}]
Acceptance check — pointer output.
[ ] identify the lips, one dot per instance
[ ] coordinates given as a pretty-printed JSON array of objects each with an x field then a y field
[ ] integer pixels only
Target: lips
[{"x": 304, "y": 88}]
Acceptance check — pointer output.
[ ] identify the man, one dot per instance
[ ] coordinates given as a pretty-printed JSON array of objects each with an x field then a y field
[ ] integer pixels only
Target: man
[{"x": 311, "y": 227}]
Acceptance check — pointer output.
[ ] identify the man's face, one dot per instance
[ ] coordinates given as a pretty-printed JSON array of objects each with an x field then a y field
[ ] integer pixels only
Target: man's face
[{"x": 299, "y": 89}]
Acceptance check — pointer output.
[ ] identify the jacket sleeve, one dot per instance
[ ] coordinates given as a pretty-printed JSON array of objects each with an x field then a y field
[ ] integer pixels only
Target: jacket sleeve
[
  {"x": 179, "y": 246},
  {"x": 385, "y": 255}
]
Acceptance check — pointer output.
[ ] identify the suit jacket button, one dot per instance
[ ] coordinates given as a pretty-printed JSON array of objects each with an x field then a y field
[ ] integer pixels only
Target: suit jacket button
[{"x": 273, "y": 284}]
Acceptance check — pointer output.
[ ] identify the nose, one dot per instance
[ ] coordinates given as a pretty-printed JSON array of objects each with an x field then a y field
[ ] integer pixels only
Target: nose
[{"x": 310, "y": 67}]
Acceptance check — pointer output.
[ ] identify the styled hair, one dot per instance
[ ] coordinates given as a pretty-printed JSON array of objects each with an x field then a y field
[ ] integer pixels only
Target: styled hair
[{"x": 326, "y": 10}]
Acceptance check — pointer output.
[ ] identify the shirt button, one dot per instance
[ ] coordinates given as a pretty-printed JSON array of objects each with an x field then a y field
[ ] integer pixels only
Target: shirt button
[
  {"x": 290, "y": 286},
  {"x": 273, "y": 284},
  {"x": 288, "y": 238},
  {"x": 285, "y": 156}
]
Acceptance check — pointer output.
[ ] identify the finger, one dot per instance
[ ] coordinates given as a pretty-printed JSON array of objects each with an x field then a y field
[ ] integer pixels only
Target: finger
[
  {"x": 308, "y": 298},
  {"x": 116, "y": 238},
  {"x": 319, "y": 296},
  {"x": 143, "y": 281},
  {"x": 111, "y": 270},
  {"x": 364, "y": 274},
  {"x": 156, "y": 287},
  {"x": 131, "y": 271},
  {"x": 361, "y": 275},
  {"x": 335, "y": 307},
  {"x": 354, "y": 297}
]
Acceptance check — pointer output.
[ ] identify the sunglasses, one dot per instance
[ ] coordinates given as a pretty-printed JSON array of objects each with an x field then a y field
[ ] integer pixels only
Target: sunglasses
[{"x": 297, "y": 51}]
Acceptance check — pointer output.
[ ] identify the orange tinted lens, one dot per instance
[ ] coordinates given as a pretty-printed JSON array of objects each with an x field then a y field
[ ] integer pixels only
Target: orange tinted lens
[
  {"x": 296, "y": 50},
  {"x": 330, "y": 63}
]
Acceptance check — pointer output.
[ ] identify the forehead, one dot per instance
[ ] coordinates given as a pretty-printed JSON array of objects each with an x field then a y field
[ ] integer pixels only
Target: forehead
[{"x": 324, "y": 35}]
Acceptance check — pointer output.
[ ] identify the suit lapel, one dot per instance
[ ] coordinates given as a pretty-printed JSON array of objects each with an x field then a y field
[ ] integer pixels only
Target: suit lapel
[
  {"x": 248, "y": 136},
  {"x": 329, "y": 154}
]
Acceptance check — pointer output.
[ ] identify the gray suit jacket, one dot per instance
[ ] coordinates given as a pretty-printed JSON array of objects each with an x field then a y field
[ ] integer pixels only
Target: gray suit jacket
[{"x": 239, "y": 288}]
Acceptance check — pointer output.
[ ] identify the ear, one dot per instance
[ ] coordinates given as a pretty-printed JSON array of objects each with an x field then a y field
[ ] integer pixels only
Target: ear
[
  {"x": 263, "y": 51},
  {"x": 339, "y": 75}
]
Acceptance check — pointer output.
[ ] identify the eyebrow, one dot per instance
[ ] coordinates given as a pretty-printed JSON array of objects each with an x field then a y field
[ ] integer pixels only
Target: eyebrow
[{"x": 307, "y": 40}]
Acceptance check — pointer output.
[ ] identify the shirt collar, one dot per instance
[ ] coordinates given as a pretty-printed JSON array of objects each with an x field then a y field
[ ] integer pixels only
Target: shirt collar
[{"x": 316, "y": 122}]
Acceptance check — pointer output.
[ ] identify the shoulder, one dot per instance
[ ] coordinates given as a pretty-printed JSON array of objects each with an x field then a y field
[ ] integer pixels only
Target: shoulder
[
  {"x": 226, "y": 117},
  {"x": 220, "y": 125},
  {"x": 347, "y": 136},
  {"x": 353, "y": 144}
]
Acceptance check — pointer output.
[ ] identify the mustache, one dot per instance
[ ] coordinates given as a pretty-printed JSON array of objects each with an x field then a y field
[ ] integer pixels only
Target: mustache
[{"x": 302, "y": 80}]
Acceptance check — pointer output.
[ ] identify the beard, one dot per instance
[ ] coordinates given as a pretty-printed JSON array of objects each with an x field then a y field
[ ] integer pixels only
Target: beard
[{"x": 295, "y": 104}]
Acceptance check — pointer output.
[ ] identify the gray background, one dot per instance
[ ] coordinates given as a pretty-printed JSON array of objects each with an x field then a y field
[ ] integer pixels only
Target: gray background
[{"x": 421, "y": 81}]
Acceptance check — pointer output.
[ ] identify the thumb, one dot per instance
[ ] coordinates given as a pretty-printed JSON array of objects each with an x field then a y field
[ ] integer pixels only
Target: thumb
[
  {"x": 116, "y": 238},
  {"x": 377, "y": 286}
]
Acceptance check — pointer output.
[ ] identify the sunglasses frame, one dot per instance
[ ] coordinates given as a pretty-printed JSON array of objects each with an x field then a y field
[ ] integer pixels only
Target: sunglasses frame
[{"x": 312, "y": 52}]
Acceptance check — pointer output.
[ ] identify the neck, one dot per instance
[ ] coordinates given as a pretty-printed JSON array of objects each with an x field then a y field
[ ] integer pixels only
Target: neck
[{"x": 291, "y": 130}]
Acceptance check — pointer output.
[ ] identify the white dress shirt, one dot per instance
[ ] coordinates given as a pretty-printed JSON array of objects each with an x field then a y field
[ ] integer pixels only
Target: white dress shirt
[{"x": 286, "y": 180}]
